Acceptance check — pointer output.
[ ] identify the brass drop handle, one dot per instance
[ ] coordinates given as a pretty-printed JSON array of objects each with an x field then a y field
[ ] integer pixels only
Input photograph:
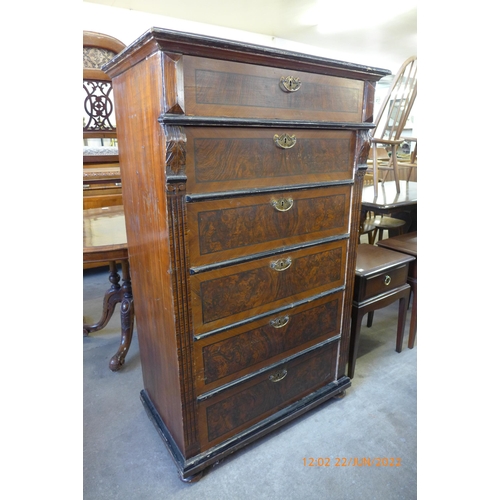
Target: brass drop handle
[
  {"x": 283, "y": 204},
  {"x": 387, "y": 280},
  {"x": 280, "y": 322},
  {"x": 279, "y": 375},
  {"x": 285, "y": 141},
  {"x": 290, "y": 83},
  {"x": 281, "y": 264}
]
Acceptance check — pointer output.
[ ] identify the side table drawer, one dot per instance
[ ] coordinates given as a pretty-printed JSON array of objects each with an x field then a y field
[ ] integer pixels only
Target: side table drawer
[{"x": 371, "y": 286}]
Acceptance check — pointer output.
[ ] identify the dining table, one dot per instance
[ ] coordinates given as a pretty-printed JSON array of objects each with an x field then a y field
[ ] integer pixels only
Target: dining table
[
  {"x": 105, "y": 242},
  {"x": 388, "y": 201}
]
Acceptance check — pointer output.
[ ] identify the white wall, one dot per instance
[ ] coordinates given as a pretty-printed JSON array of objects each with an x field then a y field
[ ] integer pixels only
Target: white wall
[{"x": 128, "y": 25}]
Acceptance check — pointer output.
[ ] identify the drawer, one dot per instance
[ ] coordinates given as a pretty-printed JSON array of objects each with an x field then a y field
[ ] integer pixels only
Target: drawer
[
  {"x": 236, "y": 409},
  {"x": 234, "y": 293},
  {"x": 230, "y": 89},
  {"x": 232, "y": 227},
  {"x": 236, "y": 352},
  {"x": 221, "y": 159},
  {"x": 371, "y": 286}
]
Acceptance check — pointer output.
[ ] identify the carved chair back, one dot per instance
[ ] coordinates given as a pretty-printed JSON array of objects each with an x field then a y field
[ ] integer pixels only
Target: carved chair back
[
  {"x": 392, "y": 117},
  {"x": 98, "y": 114}
]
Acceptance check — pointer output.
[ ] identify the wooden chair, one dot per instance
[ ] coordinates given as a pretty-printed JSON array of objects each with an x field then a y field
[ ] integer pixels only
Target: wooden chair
[
  {"x": 409, "y": 161},
  {"x": 101, "y": 169},
  {"x": 374, "y": 225},
  {"x": 381, "y": 223},
  {"x": 367, "y": 228},
  {"x": 390, "y": 121}
]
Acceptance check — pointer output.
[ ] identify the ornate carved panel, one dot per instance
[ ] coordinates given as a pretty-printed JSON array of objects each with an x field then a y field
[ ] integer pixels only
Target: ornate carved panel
[{"x": 98, "y": 106}]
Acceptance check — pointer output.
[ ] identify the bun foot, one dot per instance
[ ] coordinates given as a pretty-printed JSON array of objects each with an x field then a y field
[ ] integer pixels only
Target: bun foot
[{"x": 340, "y": 395}]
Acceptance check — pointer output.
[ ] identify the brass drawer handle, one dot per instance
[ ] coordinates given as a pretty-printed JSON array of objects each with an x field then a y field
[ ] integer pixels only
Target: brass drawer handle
[
  {"x": 285, "y": 141},
  {"x": 280, "y": 375},
  {"x": 283, "y": 204},
  {"x": 387, "y": 280},
  {"x": 290, "y": 83},
  {"x": 281, "y": 264},
  {"x": 280, "y": 322},
  {"x": 86, "y": 186}
]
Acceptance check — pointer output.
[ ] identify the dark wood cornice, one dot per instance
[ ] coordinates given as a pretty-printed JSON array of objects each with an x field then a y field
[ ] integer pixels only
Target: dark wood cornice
[{"x": 217, "y": 48}]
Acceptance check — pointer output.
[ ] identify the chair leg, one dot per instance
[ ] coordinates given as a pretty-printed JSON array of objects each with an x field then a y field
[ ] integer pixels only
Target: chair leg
[
  {"x": 375, "y": 171},
  {"x": 394, "y": 160},
  {"x": 371, "y": 236}
]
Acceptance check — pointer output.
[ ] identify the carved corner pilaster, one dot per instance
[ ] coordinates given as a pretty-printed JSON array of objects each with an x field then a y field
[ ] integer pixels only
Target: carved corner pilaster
[
  {"x": 175, "y": 174},
  {"x": 363, "y": 143},
  {"x": 175, "y": 158},
  {"x": 173, "y": 78}
]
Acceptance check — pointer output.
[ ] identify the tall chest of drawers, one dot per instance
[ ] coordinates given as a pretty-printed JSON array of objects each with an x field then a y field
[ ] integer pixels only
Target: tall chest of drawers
[{"x": 242, "y": 171}]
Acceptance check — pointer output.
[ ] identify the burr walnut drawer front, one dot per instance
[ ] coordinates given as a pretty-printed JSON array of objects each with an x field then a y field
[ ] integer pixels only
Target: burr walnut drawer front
[
  {"x": 231, "y": 89},
  {"x": 239, "y": 407},
  {"x": 237, "y": 292},
  {"x": 242, "y": 225},
  {"x": 384, "y": 281},
  {"x": 236, "y": 352},
  {"x": 221, "y": 159}
]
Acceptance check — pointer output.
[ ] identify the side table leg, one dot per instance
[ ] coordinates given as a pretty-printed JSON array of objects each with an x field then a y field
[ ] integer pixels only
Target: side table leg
[
  {"x": 403, "y": 307},
  {"x": 111, "y": 298},
  {"x": 356, "y": 318},
  {"x": 413, "y": 319},
  {"x": 369, "y": 321},
  {"x": 127, "y": 319}
]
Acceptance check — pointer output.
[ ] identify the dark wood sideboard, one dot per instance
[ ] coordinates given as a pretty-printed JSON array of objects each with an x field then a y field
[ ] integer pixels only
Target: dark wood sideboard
[{"x": 242, "y": 170}]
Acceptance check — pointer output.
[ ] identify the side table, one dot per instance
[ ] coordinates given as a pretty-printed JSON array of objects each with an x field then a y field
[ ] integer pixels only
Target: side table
[
  {"x": 381, "y": 279},
  {"x": 407, "y": 244}
]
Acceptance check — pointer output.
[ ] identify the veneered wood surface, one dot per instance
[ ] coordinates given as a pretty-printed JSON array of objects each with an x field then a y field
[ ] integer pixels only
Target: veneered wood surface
[
  {"x": 232, "y": 227},
  {"x": 245, "y": 404},
  {"x": 215, "y": 88},
  {"x": 230, "y": 294},
  {"x": 158, "y": 174},
  {"x": 139, "y": 101},
  {"x": 221, "y": 159},
  {"x": 236, "y": 352}
]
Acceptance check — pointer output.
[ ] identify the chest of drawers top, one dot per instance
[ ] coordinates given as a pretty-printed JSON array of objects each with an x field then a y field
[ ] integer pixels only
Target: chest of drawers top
[{"x": 214, "y": 78}]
